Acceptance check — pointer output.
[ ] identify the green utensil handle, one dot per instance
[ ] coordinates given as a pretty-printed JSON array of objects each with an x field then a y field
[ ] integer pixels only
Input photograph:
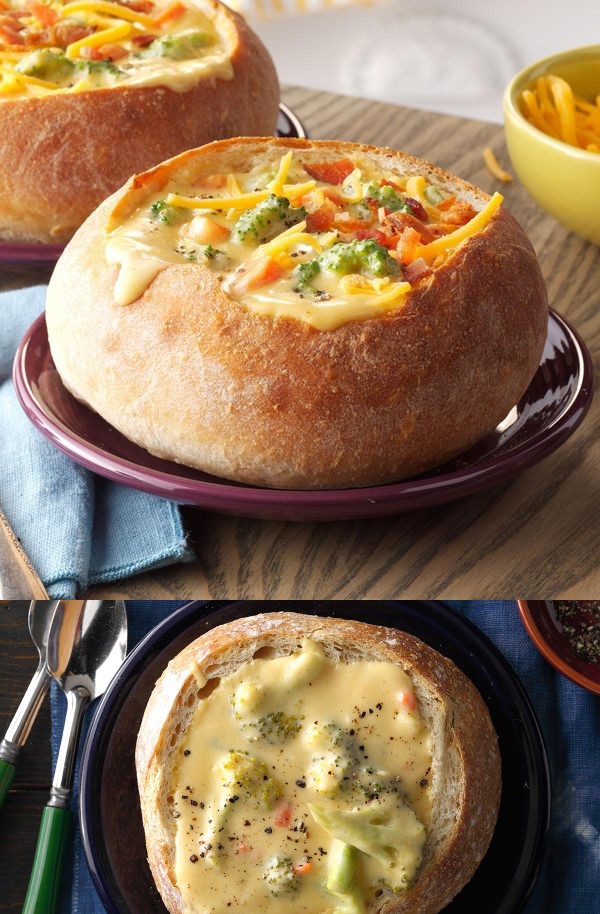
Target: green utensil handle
[
  {"x": 50, "y": 853},
  {"x": 7, "y": 773}
]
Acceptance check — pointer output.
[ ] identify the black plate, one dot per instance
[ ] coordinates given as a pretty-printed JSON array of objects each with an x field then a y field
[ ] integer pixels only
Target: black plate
[{"x": 111, "y": 823}]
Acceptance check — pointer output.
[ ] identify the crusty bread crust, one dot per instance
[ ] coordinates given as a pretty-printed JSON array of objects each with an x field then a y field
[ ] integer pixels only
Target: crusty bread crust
[
  {"x": 63, "y": 154},
  {"x": 196, "y": 377},
  {"x": 466, "y": 769}
]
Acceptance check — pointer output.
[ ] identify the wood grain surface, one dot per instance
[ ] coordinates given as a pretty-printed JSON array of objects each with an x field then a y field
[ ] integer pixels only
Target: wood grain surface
[
  {"x": 22, "y": 809},
  {"x": 537, "y": 536}
]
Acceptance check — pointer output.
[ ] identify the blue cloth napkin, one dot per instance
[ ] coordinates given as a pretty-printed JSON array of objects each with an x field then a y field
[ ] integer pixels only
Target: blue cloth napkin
[
  {"x": 569, "y": 881},
  {"x": 77, "y": 528}
]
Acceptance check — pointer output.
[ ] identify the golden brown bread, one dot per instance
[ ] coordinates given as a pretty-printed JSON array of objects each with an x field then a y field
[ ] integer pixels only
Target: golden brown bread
[
  {"x": 194, "y": 376},
  {"x": 466, "y": 767},
  {"x": 61, "y": 155}
]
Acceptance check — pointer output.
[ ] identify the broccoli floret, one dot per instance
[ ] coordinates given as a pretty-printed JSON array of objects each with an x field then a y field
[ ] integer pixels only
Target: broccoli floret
[
  {"x": 247, "y": 775},
  {"x": 304, "y": 274},
  {"x": 46, "y": 64},
  {"x": 101, "y": 72},
  {"x": 267, "y": 219},
  {"x": 204, "y": 253},
  {"x": 280, "y": 877},
  {"x": 387, "y": 196},
  {"x": 179, "y": 47},
  {"x": 367, "y": 257},
  {"x": 160, "y": 211},
  {"x": 274, "y": 727}
]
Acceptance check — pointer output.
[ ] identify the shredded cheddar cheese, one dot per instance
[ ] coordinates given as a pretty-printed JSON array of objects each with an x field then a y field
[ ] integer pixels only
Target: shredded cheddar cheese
[
  {"x": 553, "y": 107},
  {"x": 97, "y": 39},
  {"x": 114, "y": 10},
  {"x": 494, "y": 166},
  {"x": 429, "y": 251}
]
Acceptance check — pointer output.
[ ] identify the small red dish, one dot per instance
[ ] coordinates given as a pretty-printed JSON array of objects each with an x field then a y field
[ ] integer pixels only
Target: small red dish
[
  {"x": 548, "y": 413},
  {"x": 543, "y": 627}
]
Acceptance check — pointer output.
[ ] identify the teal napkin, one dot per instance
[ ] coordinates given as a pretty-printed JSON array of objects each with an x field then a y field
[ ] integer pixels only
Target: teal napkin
[{"x": 77, "y": 528}]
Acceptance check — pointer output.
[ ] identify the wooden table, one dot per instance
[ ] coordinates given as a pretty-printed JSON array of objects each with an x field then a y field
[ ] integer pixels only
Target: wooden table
[
  {"x": 537, "y": 536},
  {"x": 22, "y": 810}
]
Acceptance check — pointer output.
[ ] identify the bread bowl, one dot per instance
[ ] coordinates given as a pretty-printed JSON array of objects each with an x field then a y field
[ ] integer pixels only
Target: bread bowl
[
  {"x": 264, "y": 692},
  {"x": 384, "y": 340},
  {"x": 93, "y": 91}
]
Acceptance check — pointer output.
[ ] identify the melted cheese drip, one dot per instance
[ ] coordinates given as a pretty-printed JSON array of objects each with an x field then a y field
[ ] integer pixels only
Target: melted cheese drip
[{"x": 364, "y": 705}]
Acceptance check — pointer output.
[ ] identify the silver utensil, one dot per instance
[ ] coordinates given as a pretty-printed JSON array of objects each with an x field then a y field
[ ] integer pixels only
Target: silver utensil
[
  {"x": 86, "y": 646},
  {"x": 41, "y": 614},
  {"x": 18, "y": 578}
]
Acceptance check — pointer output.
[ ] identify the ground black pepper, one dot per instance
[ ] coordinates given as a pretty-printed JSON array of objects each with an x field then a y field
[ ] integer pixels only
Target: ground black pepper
[{"x": 580, "y": 620}]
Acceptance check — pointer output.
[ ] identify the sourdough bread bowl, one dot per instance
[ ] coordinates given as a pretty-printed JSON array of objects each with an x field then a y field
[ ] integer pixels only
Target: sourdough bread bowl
[
  {"x": 77, "y": 120},
  {"x": 282, "y": 661},
  {"x": 375, "y": 322}
]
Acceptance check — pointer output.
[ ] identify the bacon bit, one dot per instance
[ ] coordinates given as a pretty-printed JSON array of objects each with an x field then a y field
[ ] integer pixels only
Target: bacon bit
[
  {"x": 408, "y": 243},
  {"x": 283, "y": 817},
  {"x": 45, "y": 14},
  {"x": 9, "y": 33},
  {"x": 66, "y": 33},
  {"x": 302, "y": 868},
  {"x": 408, "y": 700},
  {"x": 322, "y": 218},
  {"x": 416, "y": 270},
  {"x": 417, "y": 208},
  {"x": 262, "y": 271},
  {"x": 142, "y": 41},
  {"x": 140, "y": 6},
  {"x": 388, "y": 241},
  {"x": 347, "y": 223},
  {"x": 330, "y": 172},
  {"x": 445, "y": 204},
  {"x": 397, "y": 222},
  {"x": 173, "y": 11},
  {"x": 459, "y": 213}
]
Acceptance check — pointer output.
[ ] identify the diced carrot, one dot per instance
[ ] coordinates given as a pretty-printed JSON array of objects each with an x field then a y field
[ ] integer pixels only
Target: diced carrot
[
  {"x": 173, "y": 11},
  {"x": 283, "y": 817},
  {"x": 45, "y": 14},
  {"x": 408, "y": 244},
  {"x": 242, "y": 848},
  {"x": 330, "y": 172},
  {"x": 213, "y": 181},
  {"x": 385, "y": 183},
  {"x": 262, "y": 271},
  {"x": 302, "y": 868},
  {"x": 445, "y": 204},
  {"x": 205, "y": 230},
  {"x": 347, "y": 223},
  {"x": 408, "y": 700}
]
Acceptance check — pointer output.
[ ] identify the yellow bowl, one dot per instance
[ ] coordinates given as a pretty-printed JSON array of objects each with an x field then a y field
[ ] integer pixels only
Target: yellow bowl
[{"x": 563, "y": 179}]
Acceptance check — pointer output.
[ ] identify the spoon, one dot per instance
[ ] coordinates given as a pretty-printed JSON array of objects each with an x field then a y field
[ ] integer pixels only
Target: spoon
[
  {"x": 41, "y": 613},
  {"x": 85, "y": 652}
]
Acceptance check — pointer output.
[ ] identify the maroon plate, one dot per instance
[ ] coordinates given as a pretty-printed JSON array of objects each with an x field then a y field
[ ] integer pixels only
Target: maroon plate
[
  {"x": 551, "y": 409},
  {"x": 24, "y": 257}
]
